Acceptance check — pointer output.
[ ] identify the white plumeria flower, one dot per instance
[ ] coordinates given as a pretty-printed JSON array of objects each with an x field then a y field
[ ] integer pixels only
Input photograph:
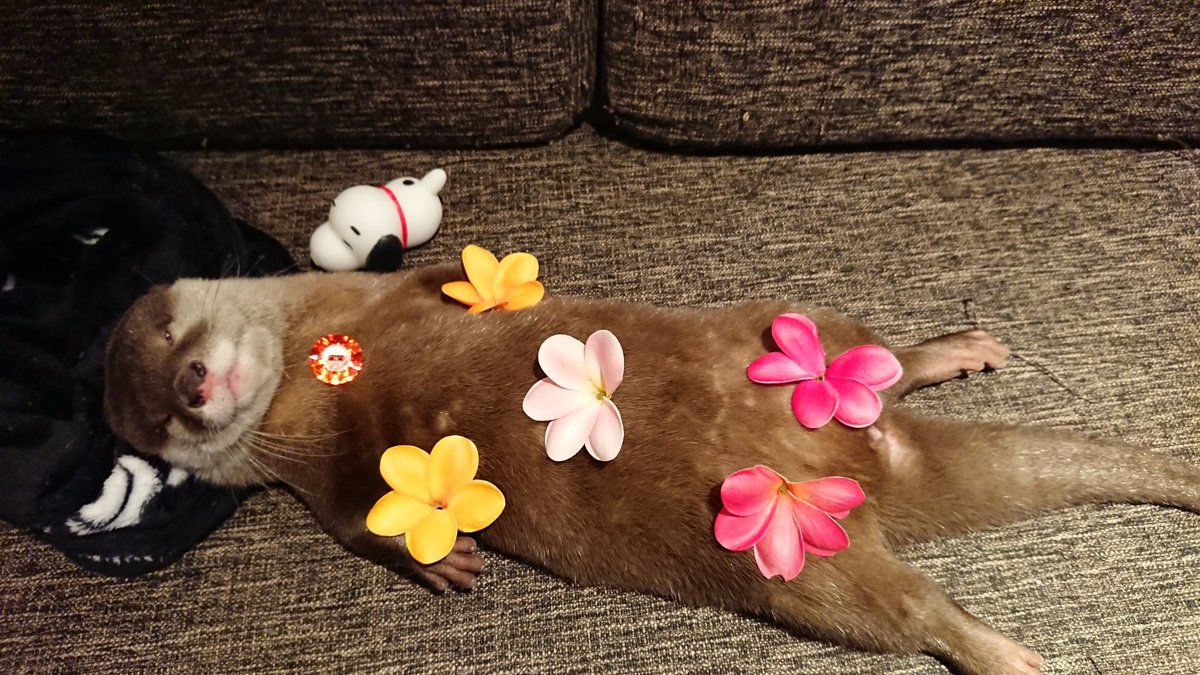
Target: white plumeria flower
[{"x": 576, "y": 395}]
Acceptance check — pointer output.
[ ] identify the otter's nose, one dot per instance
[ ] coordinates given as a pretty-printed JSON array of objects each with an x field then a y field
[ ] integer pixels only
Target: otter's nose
[{"x": 190, "y": 382}]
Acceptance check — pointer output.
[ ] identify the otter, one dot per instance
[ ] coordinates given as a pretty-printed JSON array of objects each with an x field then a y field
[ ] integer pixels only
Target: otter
[{"x": 213, "y": 377}]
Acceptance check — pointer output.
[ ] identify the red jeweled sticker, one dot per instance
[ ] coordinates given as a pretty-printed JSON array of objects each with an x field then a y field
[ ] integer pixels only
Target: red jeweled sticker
[{"x": 336, "y": 359}]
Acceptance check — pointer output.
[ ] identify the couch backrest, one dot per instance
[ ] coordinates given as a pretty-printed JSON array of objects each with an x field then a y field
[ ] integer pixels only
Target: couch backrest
[
  {"x": 180, "y": 73},
  {"x": 707, "y": 73},
  {"x": 782, "y": 73}
]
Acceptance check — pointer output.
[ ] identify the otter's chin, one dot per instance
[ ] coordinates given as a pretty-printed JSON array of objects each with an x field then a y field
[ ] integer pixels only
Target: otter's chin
[
  {"x": 223, "y": 457},
  {"x": 236, "y": 471}
]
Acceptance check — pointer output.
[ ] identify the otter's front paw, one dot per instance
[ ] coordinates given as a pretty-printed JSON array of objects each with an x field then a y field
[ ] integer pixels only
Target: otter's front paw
[{"x": 458, "y": 569}]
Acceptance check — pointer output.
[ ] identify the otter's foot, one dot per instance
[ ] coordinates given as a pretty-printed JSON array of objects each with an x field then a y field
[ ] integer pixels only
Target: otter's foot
[
  {"x": 458, "y": 569},
  {"x": 946, "y": 357},
  {"x": 1016, "y": 658},
  {"x": 882, "y": 604}
]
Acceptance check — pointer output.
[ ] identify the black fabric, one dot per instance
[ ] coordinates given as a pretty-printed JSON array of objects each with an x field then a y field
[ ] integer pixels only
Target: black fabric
[{"x": 87, "y": 226}]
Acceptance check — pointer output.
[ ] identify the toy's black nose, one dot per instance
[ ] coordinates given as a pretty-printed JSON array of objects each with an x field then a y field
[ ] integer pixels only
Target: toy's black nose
[{"x": 189, "y": 382}]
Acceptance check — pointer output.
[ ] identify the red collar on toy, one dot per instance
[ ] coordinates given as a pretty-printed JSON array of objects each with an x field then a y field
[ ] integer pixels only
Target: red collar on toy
[{"x": 399, "y": 212}]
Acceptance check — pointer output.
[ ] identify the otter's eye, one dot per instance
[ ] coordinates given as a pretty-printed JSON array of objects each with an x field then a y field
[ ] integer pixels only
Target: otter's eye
[
  {"x": 409, "y": 181},
  {"x": 168, "y": 337}
]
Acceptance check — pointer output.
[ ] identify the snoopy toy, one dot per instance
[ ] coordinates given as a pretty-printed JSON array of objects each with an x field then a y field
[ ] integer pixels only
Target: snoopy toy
[{"x": 370, "y": 227}]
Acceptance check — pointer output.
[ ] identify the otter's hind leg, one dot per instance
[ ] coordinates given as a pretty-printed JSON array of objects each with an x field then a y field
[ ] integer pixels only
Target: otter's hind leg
[
  {"x": 949, "y": 476},
  {"x": 868, "y": 599}
]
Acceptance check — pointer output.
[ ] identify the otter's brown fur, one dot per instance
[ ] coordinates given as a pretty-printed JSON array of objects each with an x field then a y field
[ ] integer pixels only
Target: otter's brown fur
[{"x": 643, "y": 521}]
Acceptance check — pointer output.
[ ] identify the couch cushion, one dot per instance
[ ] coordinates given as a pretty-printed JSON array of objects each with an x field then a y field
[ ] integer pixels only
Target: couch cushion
[
  {"x": 1085, "y": 262},
  {"x": 777, "y": 73},
  {"x": 300, "y": 73}
]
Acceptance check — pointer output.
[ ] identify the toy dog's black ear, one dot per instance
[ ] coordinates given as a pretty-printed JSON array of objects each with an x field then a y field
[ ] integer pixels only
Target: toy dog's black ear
[{"x": 386, "y": 255}]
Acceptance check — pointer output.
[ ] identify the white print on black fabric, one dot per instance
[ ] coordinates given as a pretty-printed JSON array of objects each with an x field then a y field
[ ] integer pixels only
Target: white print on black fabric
[
  {"x": 126, "y": 492},
  {"x": 124, "y": 559},
  {"x": 92, "y": 237},
  {"x": 9, "y": 283}
]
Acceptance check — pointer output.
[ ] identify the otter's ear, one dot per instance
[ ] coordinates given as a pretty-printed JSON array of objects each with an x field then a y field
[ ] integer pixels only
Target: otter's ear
[{"x": 386, "y": 255}]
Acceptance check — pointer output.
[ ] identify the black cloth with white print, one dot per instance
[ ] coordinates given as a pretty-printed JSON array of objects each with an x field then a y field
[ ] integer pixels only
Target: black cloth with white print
[{"x": 87, "y": 225}]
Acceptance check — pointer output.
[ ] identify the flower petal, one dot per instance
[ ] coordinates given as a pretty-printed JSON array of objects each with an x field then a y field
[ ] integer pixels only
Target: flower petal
[
  {"x": 750, "y": 491},
  {"x": 514, "y": 270},
  {"x": 819, "y": 530},
  {"x": 605, "y": 360},
  {"x": 475, "y": 505},
  {"x": 780, "y": 552},
  {"x": 857, "y": 405},
  {"x": 405, "y": 468},
  {"x": 452, "y": 464},
  {"x": 463, "y": 292},
  {"x": 608, "y": 433},
  {"x": 524, "y": 296},
  {"x": 566, "y": 435},
  {"x": 796, "y": 335},
  {"x": 834, "y": 495},
  {"x": 809, "y": 548},
  {"x": 738, "y": 533},
  {"x": 561, "y": 358},
  {"x": 547, "y": 401},
  {"x": 481, "y": 267},
  {"x": 872, "y": 365},
  {"x": 395, "y": 513},
  {"x": 433, "y": 538},
  {"x": 814, "y": 402},
  {"x": 776, "y": 368}
]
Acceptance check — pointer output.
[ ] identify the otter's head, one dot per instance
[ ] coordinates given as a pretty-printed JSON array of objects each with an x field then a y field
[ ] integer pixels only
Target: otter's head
[{"x": 190, "y": 371}]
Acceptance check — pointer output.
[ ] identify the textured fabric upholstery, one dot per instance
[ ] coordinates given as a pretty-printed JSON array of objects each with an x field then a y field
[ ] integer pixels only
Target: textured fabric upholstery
[
  {"x": 1084, "y": 261},
  {"x": 781, "y": 73},
  {"x": 300, "y": 73}
]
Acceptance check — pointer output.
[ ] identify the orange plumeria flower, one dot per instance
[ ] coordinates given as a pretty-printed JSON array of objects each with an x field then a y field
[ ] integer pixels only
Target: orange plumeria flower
[
  {"x": 508, "y": 284},
  {"x": 435, "y": 496}
]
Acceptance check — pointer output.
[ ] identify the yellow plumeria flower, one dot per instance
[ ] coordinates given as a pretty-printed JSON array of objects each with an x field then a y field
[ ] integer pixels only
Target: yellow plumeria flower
[
  {"x": 435, "y": 495},
  {"x": 507, "y": 284}
]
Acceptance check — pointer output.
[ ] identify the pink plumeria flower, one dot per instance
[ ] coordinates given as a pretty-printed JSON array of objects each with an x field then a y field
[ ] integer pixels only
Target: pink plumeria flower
[
  {"x": 782, "y": 520},
  {"x": 576, "y": 395},
  {"x": 845, "y": 390}
]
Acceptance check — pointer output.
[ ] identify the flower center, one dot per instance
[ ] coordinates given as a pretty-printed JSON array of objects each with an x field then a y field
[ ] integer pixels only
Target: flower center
[
  {"x": 783, "y": 489},
  {"x": 601, "y": 394}
]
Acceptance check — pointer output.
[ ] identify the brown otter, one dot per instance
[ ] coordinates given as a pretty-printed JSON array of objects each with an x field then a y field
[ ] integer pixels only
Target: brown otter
[{"x": 213, "y": 377}]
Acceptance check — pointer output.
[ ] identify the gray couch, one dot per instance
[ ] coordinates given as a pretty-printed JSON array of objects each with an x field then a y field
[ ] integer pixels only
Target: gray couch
[{"x": 923, "y": 167}]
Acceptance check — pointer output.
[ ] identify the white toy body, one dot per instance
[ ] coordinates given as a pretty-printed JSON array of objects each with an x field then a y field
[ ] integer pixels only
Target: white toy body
[{"x": 406, "y": 211}]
